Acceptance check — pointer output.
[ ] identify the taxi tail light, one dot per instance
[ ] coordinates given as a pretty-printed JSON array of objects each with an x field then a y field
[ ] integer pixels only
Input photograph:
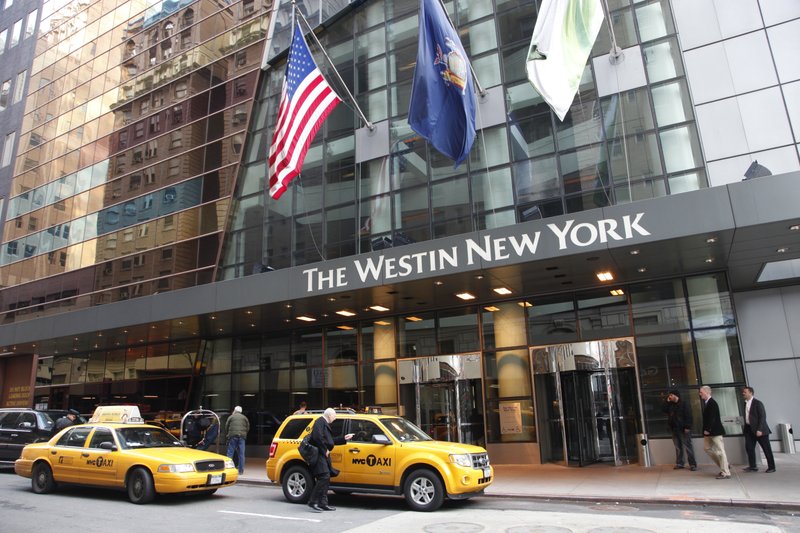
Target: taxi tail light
[{"x": 273, "y": 447}]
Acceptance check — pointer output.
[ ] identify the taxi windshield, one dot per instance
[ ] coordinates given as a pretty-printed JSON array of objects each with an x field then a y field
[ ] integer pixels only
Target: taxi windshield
[
  {"x": 403, "y": 430},
  {"x": 146, "y": 437}
]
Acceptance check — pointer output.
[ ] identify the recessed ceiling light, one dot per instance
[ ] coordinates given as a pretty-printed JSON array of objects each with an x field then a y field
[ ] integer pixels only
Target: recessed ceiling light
[
  {"x": 378, "y": 308},
  {"x": 794, "y": 227},
  {"x": 711, "y": 240},
  {"x": 641, "y": 270},
  {"x": 346, "y": 328},
  {"x": 345, "y": 312},
  {"x": 438, "y": 283},
  {"x": 605, "y": 276},
  {"x": 710, "y": 260},
  {"x": 479, "y": 276},
  {"x": 502, "y": 290},
  {"x": 331, "y": 299},
  {"x": 306, "y": 318},
  {"x": 465, "y": 296},
  {"x": 524, "y": 304},
  {"x": 782, "y": 250},
  {"x": 491, "y": 308},
  {"x": 617, "y": 292},
  {"x": 413, "y": 318},
  {"x": 634, "y": 252},
  {"x": 383, "y": 323}
]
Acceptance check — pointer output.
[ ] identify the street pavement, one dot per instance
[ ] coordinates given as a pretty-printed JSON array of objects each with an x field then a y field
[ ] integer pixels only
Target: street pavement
[{"x": 634, "y": 484}]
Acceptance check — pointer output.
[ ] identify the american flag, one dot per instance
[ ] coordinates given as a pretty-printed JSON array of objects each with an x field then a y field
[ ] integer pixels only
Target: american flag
[{"x": 306, "y": 101}]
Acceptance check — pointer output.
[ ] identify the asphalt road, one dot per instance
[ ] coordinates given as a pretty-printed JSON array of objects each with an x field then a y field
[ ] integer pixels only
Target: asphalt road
[{"x": 245, "y": 508}]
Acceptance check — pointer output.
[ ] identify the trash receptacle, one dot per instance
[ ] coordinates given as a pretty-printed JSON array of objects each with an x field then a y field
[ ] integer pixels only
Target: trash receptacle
[
  {"x": 643, "y": 446},
  {"x": 787, "y": 437}
]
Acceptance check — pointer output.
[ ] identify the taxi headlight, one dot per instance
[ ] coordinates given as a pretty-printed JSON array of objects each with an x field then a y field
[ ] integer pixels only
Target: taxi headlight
[
  {"x": 461, "y": 459},
  {"x": 229, "y": 463},
  {"x": 176, "y": 469}
]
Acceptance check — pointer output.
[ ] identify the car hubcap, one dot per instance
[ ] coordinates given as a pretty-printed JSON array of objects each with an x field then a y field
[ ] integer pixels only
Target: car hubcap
[
  {"x": 297, "y": 485},
  {"x": 422, "y": 491},
  {"x": 137, "y": 487}
]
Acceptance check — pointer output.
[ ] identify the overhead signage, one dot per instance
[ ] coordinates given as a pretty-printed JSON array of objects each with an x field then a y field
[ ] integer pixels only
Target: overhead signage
[{"x": 566, "y": 237}]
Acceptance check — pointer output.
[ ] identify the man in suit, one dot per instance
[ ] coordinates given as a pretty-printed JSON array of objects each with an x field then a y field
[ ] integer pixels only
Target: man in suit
[
  {"x": 757, "y": 430},
  {"x": 713, "y": 433}
]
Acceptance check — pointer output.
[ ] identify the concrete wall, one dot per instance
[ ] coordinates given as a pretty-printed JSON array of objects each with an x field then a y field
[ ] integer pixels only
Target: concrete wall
[{"x": 768, "y": 328}]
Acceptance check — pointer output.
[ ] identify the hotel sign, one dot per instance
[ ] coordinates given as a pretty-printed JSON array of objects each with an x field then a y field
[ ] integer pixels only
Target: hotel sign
[{"x": 565, "y": 237}]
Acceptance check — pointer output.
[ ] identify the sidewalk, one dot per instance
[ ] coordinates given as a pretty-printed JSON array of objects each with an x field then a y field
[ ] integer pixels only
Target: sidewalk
[{"x": 634, "y": 484}]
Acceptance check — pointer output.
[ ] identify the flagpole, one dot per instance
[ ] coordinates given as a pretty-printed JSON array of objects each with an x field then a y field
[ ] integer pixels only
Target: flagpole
[
  {"x": 615, "y": 54},
  {"x": 369, "y": 124},
  {"x": 481, "y": 90}
]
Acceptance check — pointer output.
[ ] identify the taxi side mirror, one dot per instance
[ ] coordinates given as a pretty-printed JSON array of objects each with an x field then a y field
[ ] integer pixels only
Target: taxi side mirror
[
  {"x": 380, "y": 439},
  {"x": 108, "y": 446}
]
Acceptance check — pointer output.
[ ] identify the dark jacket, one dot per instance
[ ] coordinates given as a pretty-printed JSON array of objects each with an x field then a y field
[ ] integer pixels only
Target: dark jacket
[
  {"x": 64, "y": 422},
  {"x": 712, "y": 422},
  {"x": 679, "y": 416},
  {"x": 237, "y": 426},
  {"x": 758, "y": 418},
  {"x": 322, "y": 437}
]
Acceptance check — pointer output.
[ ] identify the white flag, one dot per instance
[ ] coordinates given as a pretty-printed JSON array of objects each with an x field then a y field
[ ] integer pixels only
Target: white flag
[{"x": 562, "y": 39}]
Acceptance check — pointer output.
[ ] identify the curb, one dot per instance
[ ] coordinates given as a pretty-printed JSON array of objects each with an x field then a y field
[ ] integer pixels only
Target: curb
[{"x": 788, "y": 507}]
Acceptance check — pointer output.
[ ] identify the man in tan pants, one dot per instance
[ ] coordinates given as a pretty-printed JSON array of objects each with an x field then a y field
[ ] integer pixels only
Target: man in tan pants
[{"x": 713, "y": 433}]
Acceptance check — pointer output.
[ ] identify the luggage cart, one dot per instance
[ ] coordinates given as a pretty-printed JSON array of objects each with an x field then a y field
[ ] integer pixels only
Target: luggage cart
[{"x": 196, "y": 424}]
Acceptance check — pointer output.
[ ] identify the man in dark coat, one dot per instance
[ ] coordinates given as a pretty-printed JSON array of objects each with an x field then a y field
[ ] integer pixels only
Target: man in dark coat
[
  {"x": 68, "y": 420},
  {"x": 713, "y": 433},
  {"x": 322, "y": 437},
  {"x": 680, "y": 423},
  {"x": 757, "y": 430}
]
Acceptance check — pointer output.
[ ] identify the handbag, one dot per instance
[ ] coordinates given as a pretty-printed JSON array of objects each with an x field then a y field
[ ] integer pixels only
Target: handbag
[{"x": 308, "y": 451}]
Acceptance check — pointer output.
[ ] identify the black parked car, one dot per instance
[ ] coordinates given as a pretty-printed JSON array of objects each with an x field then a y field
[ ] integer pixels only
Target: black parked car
[{"x": 20, "y": 427}]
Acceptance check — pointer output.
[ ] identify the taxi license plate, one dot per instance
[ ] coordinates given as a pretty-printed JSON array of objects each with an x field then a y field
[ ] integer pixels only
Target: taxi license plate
[
  {"x": 215, "y": 479},
  {"x": 487, "y": 472}
]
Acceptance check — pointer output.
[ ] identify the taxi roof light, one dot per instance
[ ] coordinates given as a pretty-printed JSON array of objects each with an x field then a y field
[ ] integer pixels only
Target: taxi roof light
[{"x": 117, "y": 414}]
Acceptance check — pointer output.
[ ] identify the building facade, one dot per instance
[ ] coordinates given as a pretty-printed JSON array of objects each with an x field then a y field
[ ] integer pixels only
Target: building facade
[{"x": 539, "y": 300}]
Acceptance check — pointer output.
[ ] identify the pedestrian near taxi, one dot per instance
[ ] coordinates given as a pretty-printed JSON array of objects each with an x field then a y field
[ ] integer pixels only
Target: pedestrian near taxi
[
  {"x": 70, "y": 419},
  {"x": 713, "y": 433},
  {"x": 680, "y": 423},
  {"x": 236, "y": 429},
  {"x": 322, "y": 437},
  {"x": 756, "y": 430}
]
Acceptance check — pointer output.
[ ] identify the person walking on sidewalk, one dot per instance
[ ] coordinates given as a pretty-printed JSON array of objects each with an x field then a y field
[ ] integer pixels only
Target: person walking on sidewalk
[
  {"x": 757, "y": 430},
  {"x": 679, "y": 418},
  {"x": 236, "y": 429},
  {"x": 322, "y": 437},
  {"x": 713, "y": 433}
]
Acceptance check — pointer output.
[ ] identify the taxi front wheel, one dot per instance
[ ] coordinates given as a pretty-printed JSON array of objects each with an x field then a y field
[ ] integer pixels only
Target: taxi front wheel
[
  {"x": 42, "y": 480},
  {"x": 424, "y": 491},
  {"x": 297, "y": 484},
  {"x": 140, "y": 486}
]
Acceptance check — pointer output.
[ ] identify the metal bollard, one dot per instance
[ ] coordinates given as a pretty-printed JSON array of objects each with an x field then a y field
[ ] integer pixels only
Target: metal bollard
[{"x": 787, "y": 437}]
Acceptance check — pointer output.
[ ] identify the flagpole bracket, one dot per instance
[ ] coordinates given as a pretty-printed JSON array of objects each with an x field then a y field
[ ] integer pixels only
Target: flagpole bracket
[{"x": 616, "y": 55}]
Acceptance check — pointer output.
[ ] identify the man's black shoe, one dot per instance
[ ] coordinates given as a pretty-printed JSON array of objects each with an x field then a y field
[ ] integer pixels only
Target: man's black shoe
[
  {"x": 693, "y": 468},
  {"x": 770, "y": 470},
  {"x": 328, "y": 507},
  {"x": 751, "y": 469},
  {"x": 677, "y": 467},
  {"x": 315, "y": 508}
]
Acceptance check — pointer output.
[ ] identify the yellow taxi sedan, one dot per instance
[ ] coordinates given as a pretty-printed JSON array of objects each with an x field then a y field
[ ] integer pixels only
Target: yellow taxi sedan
[{"x": 128, "y": 455}]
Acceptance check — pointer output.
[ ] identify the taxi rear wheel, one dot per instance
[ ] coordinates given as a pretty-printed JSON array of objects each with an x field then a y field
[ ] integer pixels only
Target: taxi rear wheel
[
  {"x": 42, "y": 480},
  {"x": 140, "y": 486},
  {"x": 297, "y": 484},
  {"x": 424, "y": 491}
]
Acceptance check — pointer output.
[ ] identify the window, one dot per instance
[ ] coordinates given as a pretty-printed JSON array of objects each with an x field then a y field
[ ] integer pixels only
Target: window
[
  {"x": 166, "y": 253},
  {"x": 101, "y": 436},
  {"x": 19, "y": 86},
  {"x": 169, "y": 223},
  {"x": 126, "y": 264},
  {"x": 135, "y": 183},
  {"x": 147, "y": 202},
  {"x": 139, "y": 259},
  {"x": 152, "y": 150},
  {"x": 8, "y": 148},
  {"x": 143, "y": 231},
  {"x": 5, "y": 89},
  {"x": 144, "y": 107},
  {"x": 3, "y": 39},
  {"x": 123, "y": 139},
  {"x": 158, "y": 99},
  {"x": 75, "y": 437},
  {"x": 180, "y": 89},
  {"x": 176, "y": 140},
  {"x": 241, "y": 58},
  {"x": 30, "y": 23},
  {"x": 177, "y": 114},
  {"x": 16, "y": 33},
  {"x": 127, "y": 236},
  {"x": 155, "y": 124},
  {"x": 138, "y": 129},
  {"x": 149, "y": 176}
]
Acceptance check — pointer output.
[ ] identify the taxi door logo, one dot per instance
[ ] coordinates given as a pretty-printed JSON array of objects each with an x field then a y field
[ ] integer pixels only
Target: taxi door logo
[{"x": 371, "y": 460}]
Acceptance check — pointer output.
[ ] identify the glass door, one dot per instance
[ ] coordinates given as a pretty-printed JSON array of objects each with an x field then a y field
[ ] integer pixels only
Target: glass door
[
  {"x": 587, "y": 401},
  {"x": 443, "y": 396}
]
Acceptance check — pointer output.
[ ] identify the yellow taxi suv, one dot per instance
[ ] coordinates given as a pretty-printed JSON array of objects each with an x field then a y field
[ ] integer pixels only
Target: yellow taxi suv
[
  {"x": 386, "y": 455},
  {"x": 116, "y": 449}
]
